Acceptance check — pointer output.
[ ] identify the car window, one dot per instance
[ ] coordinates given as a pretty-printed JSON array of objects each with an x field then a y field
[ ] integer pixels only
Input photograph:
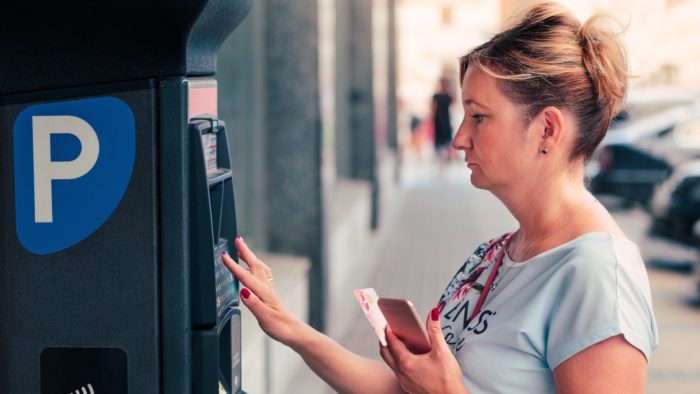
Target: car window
[{"x": 634, "y": 111}]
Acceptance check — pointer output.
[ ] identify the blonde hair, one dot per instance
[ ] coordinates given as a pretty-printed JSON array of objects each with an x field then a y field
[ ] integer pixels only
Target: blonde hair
[{"x": 548, "y": 58}]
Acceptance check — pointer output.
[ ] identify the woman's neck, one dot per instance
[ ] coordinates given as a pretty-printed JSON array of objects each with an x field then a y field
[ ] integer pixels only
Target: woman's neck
[{"x": 545, "y": 209}]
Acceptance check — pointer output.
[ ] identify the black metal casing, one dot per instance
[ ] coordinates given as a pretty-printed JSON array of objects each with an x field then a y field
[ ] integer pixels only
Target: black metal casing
[{"x": 126, "y": 303}]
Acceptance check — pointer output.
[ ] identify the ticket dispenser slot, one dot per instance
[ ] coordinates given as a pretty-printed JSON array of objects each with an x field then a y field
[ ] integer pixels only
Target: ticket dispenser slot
[{"x": 214, "y": 291}]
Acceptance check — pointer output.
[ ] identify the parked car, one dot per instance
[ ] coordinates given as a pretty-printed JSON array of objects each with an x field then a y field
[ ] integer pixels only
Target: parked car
[
  {"x": 638, "y": 155},
  {"x": 675, "y": 207},
  {"x": 675, "y": 211}
]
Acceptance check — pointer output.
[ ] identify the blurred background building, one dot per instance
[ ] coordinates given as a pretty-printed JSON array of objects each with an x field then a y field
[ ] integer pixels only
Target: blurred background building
[{"x": 322, "y": 98}]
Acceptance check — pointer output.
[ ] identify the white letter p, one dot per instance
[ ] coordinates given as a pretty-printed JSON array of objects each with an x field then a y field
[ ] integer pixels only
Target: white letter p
[{"x": 46, "y": 170}]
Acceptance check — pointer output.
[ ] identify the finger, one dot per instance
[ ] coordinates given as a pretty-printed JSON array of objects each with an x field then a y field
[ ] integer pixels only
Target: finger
[
  {"x": 387, "y": 357},
  {"x": 266, "y": 270},
  {"x": 263, "y": 271},
  {"x": 244, "y": 275},
  {"x": 396, "y": 347},
  {"x": 434, "y": 327},
  {"x": 246, "y": 254},
  {"x": 248, "y": 279},
  {"x": 269, "y": 278},
  {"x": 256, "y": 266},
  {"x": 256, "y": 307}
]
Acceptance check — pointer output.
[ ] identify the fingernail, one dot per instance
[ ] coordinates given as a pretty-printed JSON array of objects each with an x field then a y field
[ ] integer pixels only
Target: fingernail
[
  {"x": 435, "y": 314},
  {"x": 245, "y": 293},
  {"x": 223, "y": 253},
  {"x": 241, "y": 238}
]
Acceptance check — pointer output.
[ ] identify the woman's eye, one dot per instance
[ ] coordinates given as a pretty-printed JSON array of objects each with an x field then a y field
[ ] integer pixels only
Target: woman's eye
[{"x": 478, "y": 118}]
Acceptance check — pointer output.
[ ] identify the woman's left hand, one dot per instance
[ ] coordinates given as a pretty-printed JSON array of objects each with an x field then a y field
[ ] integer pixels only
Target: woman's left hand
[{"x": 434, "y": 372}]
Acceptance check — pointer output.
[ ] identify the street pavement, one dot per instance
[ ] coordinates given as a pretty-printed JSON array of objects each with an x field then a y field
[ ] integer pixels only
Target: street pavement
[{"x": 443, "y": 218}]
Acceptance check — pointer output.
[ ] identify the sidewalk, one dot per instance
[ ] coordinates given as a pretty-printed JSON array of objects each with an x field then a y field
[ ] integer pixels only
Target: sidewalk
[{"x": 439, "y": 224}]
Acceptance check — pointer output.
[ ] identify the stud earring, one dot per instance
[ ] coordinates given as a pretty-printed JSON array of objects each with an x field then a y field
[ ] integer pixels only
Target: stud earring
[{"x": 544, "y": 151}]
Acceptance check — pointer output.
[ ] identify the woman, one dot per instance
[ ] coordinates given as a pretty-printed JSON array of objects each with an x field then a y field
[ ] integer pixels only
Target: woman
[{"x": 563, "y": 303}]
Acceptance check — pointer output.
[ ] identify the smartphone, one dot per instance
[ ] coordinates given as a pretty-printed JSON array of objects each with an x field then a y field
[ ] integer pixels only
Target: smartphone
[{"x": 404, "y": 321}]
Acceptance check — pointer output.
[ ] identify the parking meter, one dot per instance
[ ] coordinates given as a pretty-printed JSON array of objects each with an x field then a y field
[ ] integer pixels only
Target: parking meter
[{"x": 116, "y": 199}]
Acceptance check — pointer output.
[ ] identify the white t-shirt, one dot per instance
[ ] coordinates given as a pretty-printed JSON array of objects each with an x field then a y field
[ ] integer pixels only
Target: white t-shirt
[{"x": 545, "y": 310}]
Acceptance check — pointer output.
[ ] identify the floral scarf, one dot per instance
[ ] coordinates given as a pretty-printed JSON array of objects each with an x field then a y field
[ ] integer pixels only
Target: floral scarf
[{"x": 469, "y": 277}]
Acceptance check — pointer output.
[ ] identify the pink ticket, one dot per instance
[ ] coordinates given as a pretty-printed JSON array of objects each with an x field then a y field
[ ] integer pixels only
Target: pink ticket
[{"x": 368, "y": 301}]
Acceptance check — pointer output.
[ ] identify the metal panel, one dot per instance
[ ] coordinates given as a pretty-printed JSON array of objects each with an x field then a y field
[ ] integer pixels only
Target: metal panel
[{"x": 98, "y": 293}]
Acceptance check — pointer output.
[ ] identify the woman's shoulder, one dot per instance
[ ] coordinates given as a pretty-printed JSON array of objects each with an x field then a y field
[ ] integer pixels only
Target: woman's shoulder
[
  {"x": 602, "y": 290},
  {"x": 593, "y": 255},
  {"x": 602, "y": 247}
]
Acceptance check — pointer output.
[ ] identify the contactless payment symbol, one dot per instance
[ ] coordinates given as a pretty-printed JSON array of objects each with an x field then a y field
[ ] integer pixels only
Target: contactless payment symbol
[{"x": 73, "y": 162}]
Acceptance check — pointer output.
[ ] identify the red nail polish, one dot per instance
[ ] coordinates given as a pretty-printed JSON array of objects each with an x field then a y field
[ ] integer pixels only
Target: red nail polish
[
  {"x": 435, "y": 314},
  {"x": 245, "y": 293}
]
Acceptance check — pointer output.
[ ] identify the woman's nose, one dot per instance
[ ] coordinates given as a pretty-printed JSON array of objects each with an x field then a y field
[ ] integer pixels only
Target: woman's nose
[{"x": 462, "y": 140}]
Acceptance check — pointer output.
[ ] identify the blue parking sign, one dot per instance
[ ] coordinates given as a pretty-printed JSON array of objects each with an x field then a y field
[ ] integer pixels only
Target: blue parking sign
[{"x": 73, "y": 161}]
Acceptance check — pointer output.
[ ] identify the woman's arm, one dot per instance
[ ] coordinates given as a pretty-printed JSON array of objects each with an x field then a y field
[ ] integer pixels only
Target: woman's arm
[
  {"x": 610, "y": 366},
  {"x": 343, "y": 370}
]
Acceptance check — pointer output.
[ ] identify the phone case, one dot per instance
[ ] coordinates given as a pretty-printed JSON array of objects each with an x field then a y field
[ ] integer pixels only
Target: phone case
[{"x": 404, "y": 321}]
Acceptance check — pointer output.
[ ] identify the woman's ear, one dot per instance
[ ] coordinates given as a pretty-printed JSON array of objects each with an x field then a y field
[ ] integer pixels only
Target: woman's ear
[{"x": 550, "y": 127}]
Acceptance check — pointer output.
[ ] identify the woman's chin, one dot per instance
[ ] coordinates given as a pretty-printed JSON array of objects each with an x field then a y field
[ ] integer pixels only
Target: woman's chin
[{"x": 478, "y": 181}]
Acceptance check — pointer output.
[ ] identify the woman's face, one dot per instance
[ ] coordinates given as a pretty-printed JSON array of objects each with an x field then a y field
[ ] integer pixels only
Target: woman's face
[{"x": 492, "y": 134}]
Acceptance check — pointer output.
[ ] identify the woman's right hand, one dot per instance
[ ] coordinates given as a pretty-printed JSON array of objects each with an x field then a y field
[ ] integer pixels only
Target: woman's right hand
[
  {"x": 341, "y": 369},
  {"x": 260, "y": 297}
]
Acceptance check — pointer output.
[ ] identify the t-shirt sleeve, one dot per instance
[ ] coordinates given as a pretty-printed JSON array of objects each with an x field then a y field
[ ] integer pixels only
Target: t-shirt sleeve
[{"x": 602, "y": 294}]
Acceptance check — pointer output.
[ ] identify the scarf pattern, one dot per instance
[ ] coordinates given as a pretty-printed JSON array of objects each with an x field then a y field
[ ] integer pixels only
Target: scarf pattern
[{"x": 469, "y": 276}]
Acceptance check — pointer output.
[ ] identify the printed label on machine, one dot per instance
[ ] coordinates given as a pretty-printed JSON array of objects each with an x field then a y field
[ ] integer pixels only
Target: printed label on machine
[
  {"x": 209, "y": 145},
  {"x": 73, "y": 163}
]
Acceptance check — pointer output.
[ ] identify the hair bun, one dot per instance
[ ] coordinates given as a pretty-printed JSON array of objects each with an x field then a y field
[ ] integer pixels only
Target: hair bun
[
  {"x": 604, "y": 58},
  {"x": 546, "y": 57}
]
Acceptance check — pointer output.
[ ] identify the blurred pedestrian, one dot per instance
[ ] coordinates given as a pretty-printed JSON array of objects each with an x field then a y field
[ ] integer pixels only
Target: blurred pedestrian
[
  {"x": 408, "y": 131},
  {"x": 440, "y": 114},
  {"x": 417, "y": 135},
  {"x": 562, "y": 304}
]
